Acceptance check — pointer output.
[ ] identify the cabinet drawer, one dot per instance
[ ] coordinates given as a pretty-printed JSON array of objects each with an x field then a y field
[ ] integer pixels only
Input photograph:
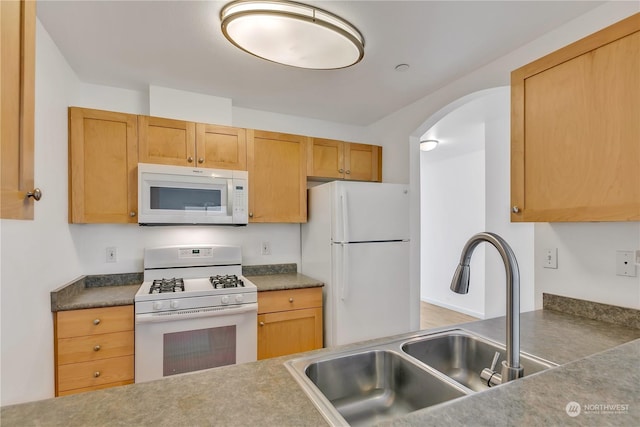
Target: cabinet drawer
[
  {"x": 92, "y": 321},
  {"x": 97, "y": 387},
  {"x": 95, "y": 347},
  {"x": 93, "y": 373},
  {"x": 293, "y": 299}
]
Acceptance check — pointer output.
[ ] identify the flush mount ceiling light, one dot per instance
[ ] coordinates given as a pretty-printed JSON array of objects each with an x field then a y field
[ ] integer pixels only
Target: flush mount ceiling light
[
  {"x": 428, "y": 144},
  {"x": 292, "y": 34}
]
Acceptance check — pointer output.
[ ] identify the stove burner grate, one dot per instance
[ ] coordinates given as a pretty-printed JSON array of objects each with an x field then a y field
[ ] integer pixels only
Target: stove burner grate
[
  {"x": 160, "y": 286},
  {"x": 226, "y": 281}
]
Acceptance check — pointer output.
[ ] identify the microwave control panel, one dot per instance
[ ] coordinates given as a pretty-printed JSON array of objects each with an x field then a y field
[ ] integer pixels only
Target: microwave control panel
[{"x": 240, "y": 200}]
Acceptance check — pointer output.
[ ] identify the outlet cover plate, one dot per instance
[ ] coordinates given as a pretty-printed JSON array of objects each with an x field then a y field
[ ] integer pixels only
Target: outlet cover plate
[{"x": 625, "y": 263}]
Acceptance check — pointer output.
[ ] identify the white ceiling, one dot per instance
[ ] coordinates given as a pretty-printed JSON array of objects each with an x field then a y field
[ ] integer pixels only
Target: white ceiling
[{"x": 178, "y": 44}]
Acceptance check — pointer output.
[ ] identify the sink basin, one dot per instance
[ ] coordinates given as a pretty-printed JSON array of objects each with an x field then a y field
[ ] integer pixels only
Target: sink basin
[
  {"x": 367, "y": 387},
  {"x": 371, "y": 383},
  {"x": 462, "y": 356}
]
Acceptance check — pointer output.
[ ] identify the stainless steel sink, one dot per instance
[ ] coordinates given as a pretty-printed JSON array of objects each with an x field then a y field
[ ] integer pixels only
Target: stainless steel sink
[
  {"x": 364, "y": 387},
  {"x": 371, "y": 383},
  {"x": 462, "y": 356}
]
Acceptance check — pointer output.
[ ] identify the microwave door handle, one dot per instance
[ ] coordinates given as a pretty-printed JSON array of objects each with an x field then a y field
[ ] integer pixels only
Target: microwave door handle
[{"x": 230, "y": 197}]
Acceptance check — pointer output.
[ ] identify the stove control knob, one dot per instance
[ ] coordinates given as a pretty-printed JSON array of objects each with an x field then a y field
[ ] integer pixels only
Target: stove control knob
[
  {"x": 175, "y": 304},
  {"x": 157, "y": 305},
  {"x": 239, "y": 298},
  {"x": 225, "y": 299}
]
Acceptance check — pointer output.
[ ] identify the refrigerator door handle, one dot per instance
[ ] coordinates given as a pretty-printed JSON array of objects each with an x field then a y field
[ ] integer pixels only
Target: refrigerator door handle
[
  {"x": 345, "y": 272},
  {"x": 345, "y": 217}
]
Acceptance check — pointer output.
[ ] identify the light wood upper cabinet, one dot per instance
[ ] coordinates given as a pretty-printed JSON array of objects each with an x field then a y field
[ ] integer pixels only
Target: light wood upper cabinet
[
  {"x": 181, "y": 143},
  {"x": 166, "y": 141},
  {"x": 17, "y": 82},
  {"x": 103, "y": 162},
  {"x": 277, "y": 176},
  {"x": 363, "y": 162},
  {"x": 330, "y": 159},
  {"x": 575, "y": 141},
  {"x": 221, "y": 147}
]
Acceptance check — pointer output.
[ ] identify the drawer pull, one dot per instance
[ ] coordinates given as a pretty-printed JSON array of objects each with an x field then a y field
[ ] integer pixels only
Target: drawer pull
[
  {"x": 291, "y": 299},
  {"x": 261, "y": 323},
  {"x": 96, "y": 322},
  {"x": 96, "y": 374},
  {"x": 96, "y": 348}
]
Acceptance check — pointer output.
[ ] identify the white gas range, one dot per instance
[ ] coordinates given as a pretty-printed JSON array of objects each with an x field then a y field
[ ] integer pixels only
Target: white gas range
[{"x": 193, "y": 311}]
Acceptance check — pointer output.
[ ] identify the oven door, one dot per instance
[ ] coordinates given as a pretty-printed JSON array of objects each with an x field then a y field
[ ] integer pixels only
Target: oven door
[{"x": 191, "y": 340}]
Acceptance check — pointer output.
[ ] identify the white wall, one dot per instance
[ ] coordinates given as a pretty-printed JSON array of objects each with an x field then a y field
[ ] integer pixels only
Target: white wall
[
  {"x": 38, "y": 255},
  {"x": 410, "y": 122},
  {"x": 520, "y": 236},
  {"x": 41, "y": 255},
  {"x": 586, "y": 262},
  {"x": 452, "y": 210}
]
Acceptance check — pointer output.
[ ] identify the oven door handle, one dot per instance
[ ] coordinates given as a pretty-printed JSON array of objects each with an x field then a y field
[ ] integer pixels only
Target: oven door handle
[{"x": 195, "y": 313}]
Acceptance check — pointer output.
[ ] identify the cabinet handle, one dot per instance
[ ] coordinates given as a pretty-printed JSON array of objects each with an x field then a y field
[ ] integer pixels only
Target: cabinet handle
[
  {"x": 341, "y": 170},
  {"x": 250, "y": 214},
  {"x": 96, "y": 347},
  {"x": 96, "y": 374},
  {"x": 200, "y": 160},
  {"x": 261, "y": 323},
  {"x": 190, "y": 159},
  {"x": 348, "y": 172},
  {"x": 132, "y": 214},
  {"x": 36, "y": 193},
  {"x": 291, "y": 299},
  {"x": 96, "y": 322},
  {"x": 515, "y": 209}
]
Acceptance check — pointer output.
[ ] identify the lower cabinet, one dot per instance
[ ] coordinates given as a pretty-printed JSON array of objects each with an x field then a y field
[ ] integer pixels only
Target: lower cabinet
[
  {"x": 289, "y": 321},
  {"x": 94, "y": 349}
]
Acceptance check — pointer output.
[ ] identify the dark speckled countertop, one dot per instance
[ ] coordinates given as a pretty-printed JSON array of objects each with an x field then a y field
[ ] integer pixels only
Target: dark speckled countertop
[
  {"x": 110, "y": 290},
  {"x": 278, "y": 277},
  {"x": 106, "y": 290},
  {"x": 599, "y": 366}
]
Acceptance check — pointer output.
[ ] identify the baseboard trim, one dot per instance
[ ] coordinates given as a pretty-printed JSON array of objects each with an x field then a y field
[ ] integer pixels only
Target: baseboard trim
[{"x": 454, "y": 308}]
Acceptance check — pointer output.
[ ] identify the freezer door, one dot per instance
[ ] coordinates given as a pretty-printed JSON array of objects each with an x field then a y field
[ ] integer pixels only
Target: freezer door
[
  {"x": 370, "y": 296},
  {"x": 365, "y": 212}
]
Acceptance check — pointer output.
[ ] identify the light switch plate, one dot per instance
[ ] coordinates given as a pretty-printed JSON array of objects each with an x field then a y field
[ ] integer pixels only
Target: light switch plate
[{"x": 550, "y": 258}]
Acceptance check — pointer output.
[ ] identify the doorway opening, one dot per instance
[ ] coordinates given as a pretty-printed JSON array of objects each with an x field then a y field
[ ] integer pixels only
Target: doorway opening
[{"x": 464, "y": 189}]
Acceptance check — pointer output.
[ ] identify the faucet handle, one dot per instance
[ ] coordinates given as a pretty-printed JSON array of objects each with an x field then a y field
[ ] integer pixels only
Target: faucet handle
[{"x": 496, "y": 357}]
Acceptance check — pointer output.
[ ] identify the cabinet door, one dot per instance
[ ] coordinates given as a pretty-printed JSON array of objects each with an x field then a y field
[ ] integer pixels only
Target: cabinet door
[
  {"x": 576, "y": 131},
  {"x": 167, "y": 141},
  {"x": 103, "y": 161},
  {"x": 17, "y": 76},
  {"x": 289, "y": 332},
  {"x": 326, "y": 158},
  {"x": 221, "y": 147},
  {"x": 277, "y": 176},
  {"x": 362, "y": 162}
]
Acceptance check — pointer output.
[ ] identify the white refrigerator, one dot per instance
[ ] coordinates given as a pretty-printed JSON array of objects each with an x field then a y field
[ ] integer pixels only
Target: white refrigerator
[{"x": 356, "y": 241}]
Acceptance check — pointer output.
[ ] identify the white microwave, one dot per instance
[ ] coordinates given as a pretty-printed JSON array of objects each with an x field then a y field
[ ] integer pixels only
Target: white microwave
[{"x": 169, "y": 195}]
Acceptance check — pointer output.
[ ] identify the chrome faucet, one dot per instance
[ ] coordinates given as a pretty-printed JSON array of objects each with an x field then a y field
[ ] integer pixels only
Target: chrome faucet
[{"x": 511, "y": 368}]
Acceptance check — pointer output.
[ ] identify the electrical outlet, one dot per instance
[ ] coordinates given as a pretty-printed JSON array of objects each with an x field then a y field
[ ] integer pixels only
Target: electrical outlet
[
  {"x": 550, "y": 258},
  {"x": 266, "y": 248},
  {"x": 112, "y": 254},
  {"x": 625, "y": 264}
]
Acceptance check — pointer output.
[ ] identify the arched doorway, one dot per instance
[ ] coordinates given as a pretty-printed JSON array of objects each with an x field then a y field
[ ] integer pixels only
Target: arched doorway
[{"x": 464, "y": 189}]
